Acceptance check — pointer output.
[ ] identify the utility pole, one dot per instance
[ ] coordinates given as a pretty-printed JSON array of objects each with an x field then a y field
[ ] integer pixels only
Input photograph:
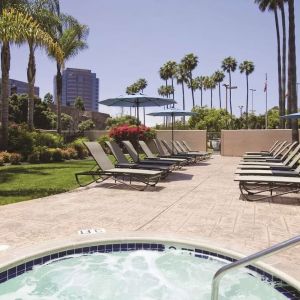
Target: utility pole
[{"x": 252, "y": 110}]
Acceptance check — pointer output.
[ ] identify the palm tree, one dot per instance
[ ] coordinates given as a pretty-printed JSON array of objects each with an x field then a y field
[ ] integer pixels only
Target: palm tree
[
  {"x": 71, "y": 36},
  {"x": 164, "y": 74},
  {"x": 171, "y": 69},
  {"x": 200, "y": 86},
  {"x": 190, "y": 62},
  {"x": 247, "y": 67},
  {"x": 142, "y": 84},
  {"x": 181, "y": 77},
  {"x": 36, "y": 9},
  {"x": 219, "y": 77},
  {"x": 210, "y": 83},
  {"x": 272, "y": 5},
  {"x": 17, "y": 26},
  {"x": 292, "y": 71},
  {"x": 229, "y": 65}
]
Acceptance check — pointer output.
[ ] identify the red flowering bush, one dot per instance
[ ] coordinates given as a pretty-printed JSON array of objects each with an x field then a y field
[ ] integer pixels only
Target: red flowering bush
[{"x": 131, "y": 133}]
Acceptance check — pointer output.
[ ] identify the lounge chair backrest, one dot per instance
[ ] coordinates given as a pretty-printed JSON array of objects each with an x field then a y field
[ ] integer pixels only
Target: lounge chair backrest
[
  {"x": 273, "y": 146},
  {"x": 131, "y": 151},
  {"x": 281, "y": 152},
  {"x": 168, "y": 147},
  {"x": 291, "y": 155},
  {"x": 286, "y": 152},
  {"x": 146, "y": 149},
  {"x": 278, "y": 149},
  {"x": 117, "y": 152},
  {"x": 295, "y": 161},
  {"x": 99, "y": 155},
  {"x": 159, "y": 147},
  {"x": 175, "y": 146},
  {"x": 187, "y": 146},
  {"x": 182, "y": 149}
]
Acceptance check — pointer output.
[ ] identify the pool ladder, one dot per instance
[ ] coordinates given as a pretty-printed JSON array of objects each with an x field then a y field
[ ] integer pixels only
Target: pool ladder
[{"x": 249, "y": 259}]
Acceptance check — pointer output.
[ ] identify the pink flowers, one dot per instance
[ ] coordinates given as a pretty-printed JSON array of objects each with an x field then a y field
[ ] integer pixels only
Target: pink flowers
[{"x": 131, "y": 132}]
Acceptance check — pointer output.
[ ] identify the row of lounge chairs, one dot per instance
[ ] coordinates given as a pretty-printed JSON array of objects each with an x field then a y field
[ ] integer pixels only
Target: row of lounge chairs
[
  {"x": 276, "y": 170},
  {"x": 148, "y": 171}
]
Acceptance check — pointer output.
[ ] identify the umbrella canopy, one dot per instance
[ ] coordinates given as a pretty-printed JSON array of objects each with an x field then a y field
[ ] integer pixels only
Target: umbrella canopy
[
  {"x": 292, "y": 116},
  {"x": 173, "y": 112},
  {"x": 138, "y": 100}
]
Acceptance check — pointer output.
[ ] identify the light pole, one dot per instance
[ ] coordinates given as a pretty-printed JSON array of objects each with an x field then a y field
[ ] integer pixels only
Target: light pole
[
  {"x": 252, "y": 90},
  {"x": 297, "y": 88},
  {"x": 241, "y": 109},
  {"x": 229, "y": 88}
]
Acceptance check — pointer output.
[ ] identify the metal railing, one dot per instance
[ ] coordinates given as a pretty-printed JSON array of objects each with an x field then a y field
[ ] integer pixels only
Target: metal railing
[{"x": 249, "y": 259}]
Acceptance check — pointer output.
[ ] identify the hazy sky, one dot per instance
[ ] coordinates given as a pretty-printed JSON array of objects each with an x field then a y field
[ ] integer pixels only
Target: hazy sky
[{"x": 134, "y": 38}]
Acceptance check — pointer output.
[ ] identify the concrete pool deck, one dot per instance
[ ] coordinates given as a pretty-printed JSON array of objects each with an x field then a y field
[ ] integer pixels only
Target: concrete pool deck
[{"x": 201, "y": 203}]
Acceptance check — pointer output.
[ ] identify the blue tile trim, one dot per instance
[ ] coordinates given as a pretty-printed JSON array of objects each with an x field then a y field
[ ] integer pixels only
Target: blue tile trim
[{"x": 280, "y": 285}]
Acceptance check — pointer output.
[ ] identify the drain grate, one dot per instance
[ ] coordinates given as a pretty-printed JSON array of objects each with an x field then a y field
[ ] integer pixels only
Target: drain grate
[{"x": 91, "y": 231}]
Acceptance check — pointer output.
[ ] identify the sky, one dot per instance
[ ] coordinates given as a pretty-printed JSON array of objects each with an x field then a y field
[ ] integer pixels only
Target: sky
[{"x": 132, "y": 39}]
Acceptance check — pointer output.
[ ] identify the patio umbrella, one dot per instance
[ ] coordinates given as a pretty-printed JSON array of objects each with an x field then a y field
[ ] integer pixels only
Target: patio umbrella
[
  {"x": 172, "y": 112},
  {"x": 292, "y": 116}
]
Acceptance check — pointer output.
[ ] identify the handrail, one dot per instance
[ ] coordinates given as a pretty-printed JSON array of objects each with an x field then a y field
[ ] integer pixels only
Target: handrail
[{"x": 249, "y": 259}]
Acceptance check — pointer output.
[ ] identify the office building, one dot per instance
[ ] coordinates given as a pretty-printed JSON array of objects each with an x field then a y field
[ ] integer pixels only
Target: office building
[
  {"x": 21, "y": 87},
  {"x": 79, "y": 83}
]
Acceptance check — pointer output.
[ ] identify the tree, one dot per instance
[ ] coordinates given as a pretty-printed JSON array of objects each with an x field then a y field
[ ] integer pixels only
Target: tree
[
  {"x": 165, "y": 91},
  {"x": 86, "y": 125},
  {"x": 15, "y": 26},
  {"x": 171, "y": 69},
  {"x": 79, "y": 103},
  {"x": 292, "y": 70},
  {"x": 141, "y": 84},
  {"x": 272, "y": 5},
  {"x": 247, "y": 67},
  {"x": 229, "y": 65},
  {"x": 71, "y": 36},
  {"x": 210, "y": 83},
  {"x": 190, "y": 62},
  {"x": 200, "y": 86},
  {"x": 48, "y": 99},
  {"x": 219, "y": 77},
  {"x": 181, "y": 78},
  {"x": 37, "y": 10}
]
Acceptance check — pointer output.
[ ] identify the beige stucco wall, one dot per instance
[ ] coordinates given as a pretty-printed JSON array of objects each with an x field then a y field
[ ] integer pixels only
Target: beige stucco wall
[
  {"x": 195, "y": 138},
  {"x": 237, "y": 142}
]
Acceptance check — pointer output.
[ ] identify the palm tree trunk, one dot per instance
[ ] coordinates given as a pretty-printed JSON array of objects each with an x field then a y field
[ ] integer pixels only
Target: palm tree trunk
[
  {"x": 283, "y": 86},
  {"x": 183, "y": 99},
  {"x": 292, "y": 75},
  {"x": 31, "y": 70},
  {"x": 278, "y": 62},
  {"x": 192, "y": 89},
  {"x": 173, "y": 91},
  {"x": 230, "y": 104},
  {"x": 201, "y": 91},
  {"x": 220, "y": 101},
  {"x": 5, "y": 67},
  {"x": 247, "y": 101},
  {"x": 58, "y": 96},
  {"x": 211, "y": 98}
]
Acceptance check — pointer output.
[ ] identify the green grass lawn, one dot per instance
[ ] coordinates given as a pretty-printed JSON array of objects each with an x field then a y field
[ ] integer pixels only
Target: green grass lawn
[{"x": 29, "y": 181}]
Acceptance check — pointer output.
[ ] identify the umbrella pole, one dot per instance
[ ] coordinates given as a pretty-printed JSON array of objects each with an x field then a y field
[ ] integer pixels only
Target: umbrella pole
[{"x": 172, "y": 134}]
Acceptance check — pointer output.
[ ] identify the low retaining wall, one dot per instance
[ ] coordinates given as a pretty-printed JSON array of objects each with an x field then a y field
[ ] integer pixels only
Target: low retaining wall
[
  {"x": 237, "y": 142},
  {"x": 195, "y": 138}
]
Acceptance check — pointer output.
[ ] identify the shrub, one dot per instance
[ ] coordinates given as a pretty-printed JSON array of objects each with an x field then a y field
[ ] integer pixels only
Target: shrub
[
  {"x": 101, "y": 140},
  {"x": 132, "y": 133},
  {"x": 57, "y": 155},
  {"x": 15, "y": 158},
  {"x": 80, "y": 148},
  {"x": 45, "y": 154},
  {"x": 86, "y": 125},
  {"x": 72, "y": 152},
  {"x": 5, "y": 156},
  {"x": 20, "y": 140},
  {"x": 34, "y": 157},
  {"x": 66, "y": 154},
  {"x": 1, "y": 160},
  {"x": 50, "y": 140}
]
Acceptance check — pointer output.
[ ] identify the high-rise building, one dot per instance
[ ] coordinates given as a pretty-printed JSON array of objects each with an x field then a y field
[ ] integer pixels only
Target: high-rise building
[
  {"x": 79, "y": 83},
  {"x": 21, "y": 87}
]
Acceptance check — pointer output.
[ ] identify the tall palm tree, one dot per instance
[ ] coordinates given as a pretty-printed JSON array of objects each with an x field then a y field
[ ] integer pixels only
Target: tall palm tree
[
  {"x": 164, "y": 74},
  {"x": 272, "y": 5},
  {"x": 200, "y": 86},
  {"x": 219, "y": 77},
  {"x": 292, "y": 70},
  {"x": 229, "y": 65},
  {"x": 171, "y": 69},
  {"x": 247, "y": 67},
  {"x": 181, "y": 77},
  {"x": 71, "y": 36},
  {"x": 190, "y": 62},
  {"x": 210, "y": 83},
  {"x": 17, "y": 26},
  {"x": 142, "y": 84},
  {"x": 39, "y": 12}
]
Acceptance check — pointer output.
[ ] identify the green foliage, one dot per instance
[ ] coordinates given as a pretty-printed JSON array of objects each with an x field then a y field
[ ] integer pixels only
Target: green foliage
[
  {"x": 80, "y": 147},
  {"x": 1, "y": 161},
  {"x": 229, "y": 64},
  {"x": 113, "y": 122},
  {"x": 48, "y": 99},
  {"x": 209, "y": 119},
  {"x": 51, "y": 140},
  {"x": 102, "y": 139},
  {"x": 273, "y": 118},
  {"x": 5, "y": 156},
  {"x": 34, "y": 157},
  {"x": 86, "y": 125},
  {"x": 57, "y": 155},
  {"x": 15, "y": 158},
  {"x": 79, "y": 104},
  {"x": 66, "y": 121}
]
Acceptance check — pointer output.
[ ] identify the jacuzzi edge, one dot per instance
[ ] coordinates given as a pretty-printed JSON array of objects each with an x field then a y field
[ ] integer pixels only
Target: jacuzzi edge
[{"x": 59, "y": 246}]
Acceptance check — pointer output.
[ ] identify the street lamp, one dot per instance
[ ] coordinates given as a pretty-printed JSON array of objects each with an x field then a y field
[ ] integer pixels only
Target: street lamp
[
  {"x": 241, "y": 109},
  {"x": 252, "y": 90},
  {"x": 227, "y": 86}
]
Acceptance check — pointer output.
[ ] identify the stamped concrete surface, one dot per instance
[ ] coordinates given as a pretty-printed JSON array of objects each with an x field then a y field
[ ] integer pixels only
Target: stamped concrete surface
[{"x": 201, "y": 203}]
